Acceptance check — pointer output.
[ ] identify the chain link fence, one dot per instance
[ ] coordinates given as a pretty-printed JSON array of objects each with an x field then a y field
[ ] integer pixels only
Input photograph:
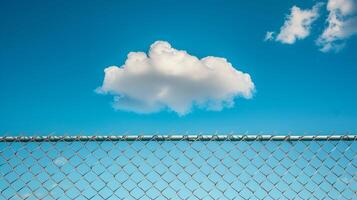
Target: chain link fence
[{"x": 178, "y": 167}]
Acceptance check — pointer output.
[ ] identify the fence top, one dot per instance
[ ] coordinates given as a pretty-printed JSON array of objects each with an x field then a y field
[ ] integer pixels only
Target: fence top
[{"x": 180, "y": 138}]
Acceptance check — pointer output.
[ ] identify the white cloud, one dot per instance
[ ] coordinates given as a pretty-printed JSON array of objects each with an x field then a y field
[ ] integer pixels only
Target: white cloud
[
  {"x": 60, "y": 161},
  {"x": 298, "y": 24},
  {"x": 269, "y": 35},
  {"x": 167, "y": 78},
  {"x": 342, "y": 24}
]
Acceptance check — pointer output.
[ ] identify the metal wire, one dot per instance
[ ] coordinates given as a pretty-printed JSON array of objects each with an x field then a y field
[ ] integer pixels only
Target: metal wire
[{"x": 178, "y": 167}]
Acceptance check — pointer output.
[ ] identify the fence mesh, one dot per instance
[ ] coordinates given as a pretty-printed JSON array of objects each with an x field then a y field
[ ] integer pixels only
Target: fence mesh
[{"x": 178, "y": 167}]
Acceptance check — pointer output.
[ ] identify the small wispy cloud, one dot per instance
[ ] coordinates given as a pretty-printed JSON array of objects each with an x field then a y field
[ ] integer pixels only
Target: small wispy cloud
[
  {"x": 60, "y": 161},
  {"x": 341, "y": 24},
  {"x": 269, "y": 35},
  {"x": 174, "y": 79},
  {"x": 298, "y": 24}
]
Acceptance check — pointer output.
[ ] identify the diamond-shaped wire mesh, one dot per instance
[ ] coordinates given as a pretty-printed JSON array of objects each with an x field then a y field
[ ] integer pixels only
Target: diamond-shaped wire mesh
[{"x": 178, "y": 167}]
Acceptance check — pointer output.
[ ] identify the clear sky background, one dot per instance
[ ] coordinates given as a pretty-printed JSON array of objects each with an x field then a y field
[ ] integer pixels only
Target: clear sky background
[{"x": 53, "y": 53}]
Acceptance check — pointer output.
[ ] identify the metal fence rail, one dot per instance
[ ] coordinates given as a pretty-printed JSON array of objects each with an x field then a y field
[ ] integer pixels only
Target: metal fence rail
[{"x": 179, "y": 167}]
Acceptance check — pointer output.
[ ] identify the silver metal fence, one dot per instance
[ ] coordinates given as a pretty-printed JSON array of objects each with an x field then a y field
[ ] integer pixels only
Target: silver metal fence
[{"x": 178, "y": 167}]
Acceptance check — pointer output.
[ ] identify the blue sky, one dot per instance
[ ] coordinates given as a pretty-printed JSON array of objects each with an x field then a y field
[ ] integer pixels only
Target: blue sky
[{"x": 53, "y": 53}]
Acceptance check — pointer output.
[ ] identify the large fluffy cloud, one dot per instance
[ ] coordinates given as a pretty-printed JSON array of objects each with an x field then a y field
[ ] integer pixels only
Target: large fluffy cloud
[
  {"x": 167, "y": 78},
  {"x": 342, "y": 24},
  {"x": 298, "y": 24}
]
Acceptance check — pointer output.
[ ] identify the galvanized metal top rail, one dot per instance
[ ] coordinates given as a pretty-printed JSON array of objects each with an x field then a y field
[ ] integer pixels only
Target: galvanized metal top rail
[{"x": 179, "y": 138}]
